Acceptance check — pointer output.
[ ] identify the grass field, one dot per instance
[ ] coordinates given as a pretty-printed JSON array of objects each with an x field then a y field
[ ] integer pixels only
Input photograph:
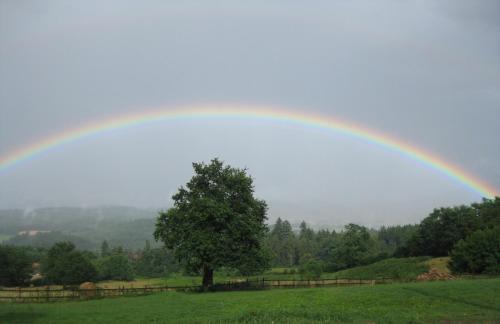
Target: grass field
[{"x": 460, "y": 300}]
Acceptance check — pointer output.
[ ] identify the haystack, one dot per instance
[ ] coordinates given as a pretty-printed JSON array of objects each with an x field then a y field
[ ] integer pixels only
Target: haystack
[
  {"x": 435, "y": 274},
  {"x": 88, "y": 289}
]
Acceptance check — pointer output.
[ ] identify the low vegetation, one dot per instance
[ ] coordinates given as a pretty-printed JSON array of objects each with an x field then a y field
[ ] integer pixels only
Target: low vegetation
[
  {"x": 451, "y": 301},
  {"x": 401, "y": 269}
]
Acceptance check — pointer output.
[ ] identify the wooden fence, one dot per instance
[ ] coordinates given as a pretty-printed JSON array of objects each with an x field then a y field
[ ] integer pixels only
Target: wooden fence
[{"x": 48, "y": 295}]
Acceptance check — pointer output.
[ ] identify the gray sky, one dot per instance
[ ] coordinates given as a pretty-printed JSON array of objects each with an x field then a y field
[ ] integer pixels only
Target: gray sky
[{"x": 427, "y": 72}]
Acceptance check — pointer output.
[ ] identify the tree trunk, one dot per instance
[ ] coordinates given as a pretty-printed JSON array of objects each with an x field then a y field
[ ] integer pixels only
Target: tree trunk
[{"x": 208, "y": 277}]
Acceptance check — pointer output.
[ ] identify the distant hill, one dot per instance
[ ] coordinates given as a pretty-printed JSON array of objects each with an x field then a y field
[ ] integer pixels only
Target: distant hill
[
  {"x": 129, "y": 227},
  {"x": 47, "y": 239}
]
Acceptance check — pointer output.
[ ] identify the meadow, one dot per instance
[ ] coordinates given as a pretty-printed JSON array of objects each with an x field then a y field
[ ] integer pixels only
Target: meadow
[{"x": 458, "y": 300}]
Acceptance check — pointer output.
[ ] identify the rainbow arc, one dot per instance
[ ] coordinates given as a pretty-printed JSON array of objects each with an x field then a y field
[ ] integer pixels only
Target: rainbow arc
[{"x": 269, "y": 113}]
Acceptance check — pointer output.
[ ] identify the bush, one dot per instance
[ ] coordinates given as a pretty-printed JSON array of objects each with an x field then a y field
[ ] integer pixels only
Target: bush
[
  {"x": 67, "y": 266},
  {"x": 115, "y": 267},
  {"x": 15, "y": 266},
  {"x": 311, "y": 270},
  {"x": 478, "y": 253}
]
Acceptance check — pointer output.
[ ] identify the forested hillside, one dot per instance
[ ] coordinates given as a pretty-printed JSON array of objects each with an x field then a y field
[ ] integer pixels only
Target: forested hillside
[{"x": 86, "y": 227}]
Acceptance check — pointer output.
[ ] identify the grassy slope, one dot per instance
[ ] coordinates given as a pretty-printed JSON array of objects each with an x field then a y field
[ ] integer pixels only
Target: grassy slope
[
  {"x": 461, "y": 300},
  {"x": 404, "y": 268}
]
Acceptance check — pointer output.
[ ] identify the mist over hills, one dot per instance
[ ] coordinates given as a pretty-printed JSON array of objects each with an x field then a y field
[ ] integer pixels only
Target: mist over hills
[
  {"x": 129, "y": 227},
  {"x": 124, "y": 226}
]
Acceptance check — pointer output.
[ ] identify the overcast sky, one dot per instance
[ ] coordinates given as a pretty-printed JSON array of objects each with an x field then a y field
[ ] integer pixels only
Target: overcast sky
[{"x": 426, "y": 72}]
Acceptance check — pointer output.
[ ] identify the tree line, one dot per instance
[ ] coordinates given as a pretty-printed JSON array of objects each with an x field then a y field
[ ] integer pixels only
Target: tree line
[
  {"x": 470, "y": 235},
  {"x": 64, "y": 264}
]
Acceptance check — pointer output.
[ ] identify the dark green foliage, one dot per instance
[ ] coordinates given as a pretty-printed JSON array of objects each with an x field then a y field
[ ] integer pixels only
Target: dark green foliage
[
  {"x": 393, "y": 238},
  {"x": 15, "y": 266},
  {"x": 67, "y": 266},
  {"x": 354, "y": 247},
  {"x": 105, "y": 249},
  {"x": 115, "y": 267},
  {"x": 282, "y": 243},
  {"x": 311, "y": 269},
  {"x": 155, "y": 262},
  {"x": 489, "y": 212},
  {"x": 444, "y": 227},
  {"x": 215, "y": 222},
  {"x": 478, "y": 253}
]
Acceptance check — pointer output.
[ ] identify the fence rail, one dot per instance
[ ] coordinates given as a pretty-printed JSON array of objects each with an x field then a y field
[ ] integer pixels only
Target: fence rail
[{"x": 47, "y": 294}]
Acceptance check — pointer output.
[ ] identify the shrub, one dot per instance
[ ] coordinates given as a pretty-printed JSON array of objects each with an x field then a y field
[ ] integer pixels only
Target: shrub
[
  {"x": 67, "y": 266},
  {"x": 15, "y": 266},
  {"x": 115, "y": 267},
  {"x": 311, "y": 270}
]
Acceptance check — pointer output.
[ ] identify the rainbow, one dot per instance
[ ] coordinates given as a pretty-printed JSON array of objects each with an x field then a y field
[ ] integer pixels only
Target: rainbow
[{"x": 250, "y": 113}]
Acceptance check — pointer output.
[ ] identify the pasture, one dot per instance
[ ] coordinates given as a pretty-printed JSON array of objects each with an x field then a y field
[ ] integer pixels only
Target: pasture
[{"x": 459, "y": 300}]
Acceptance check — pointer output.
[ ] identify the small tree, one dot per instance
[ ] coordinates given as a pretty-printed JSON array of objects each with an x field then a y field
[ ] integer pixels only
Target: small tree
[
  {"x": 115, "y": 267},
  {"x": 105, "y": 249},
  {"x": 353, "y": 248},
  {"x": 215, "y": 222},
  {"x": 67, "y": 266},
  {"x": 310, "y": 268},
  {"x": 15, "y": 266}
]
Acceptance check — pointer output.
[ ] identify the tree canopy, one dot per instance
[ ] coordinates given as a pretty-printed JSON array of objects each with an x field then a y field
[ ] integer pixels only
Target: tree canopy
[
  {"x": 67, "y": 266},
  {"x": 216, "y": 222},
  {"x": 15, "y": 266}
]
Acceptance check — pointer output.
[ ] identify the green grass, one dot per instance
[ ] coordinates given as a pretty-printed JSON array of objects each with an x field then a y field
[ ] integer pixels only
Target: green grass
[
  {"x": 404, "y": 269},
  {"x": 460, "y": 300},
  {"x": 173, "y": 280}
]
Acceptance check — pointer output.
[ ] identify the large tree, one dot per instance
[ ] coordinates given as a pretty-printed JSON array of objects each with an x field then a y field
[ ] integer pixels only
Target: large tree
[{"x": 216, "y": 222}]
